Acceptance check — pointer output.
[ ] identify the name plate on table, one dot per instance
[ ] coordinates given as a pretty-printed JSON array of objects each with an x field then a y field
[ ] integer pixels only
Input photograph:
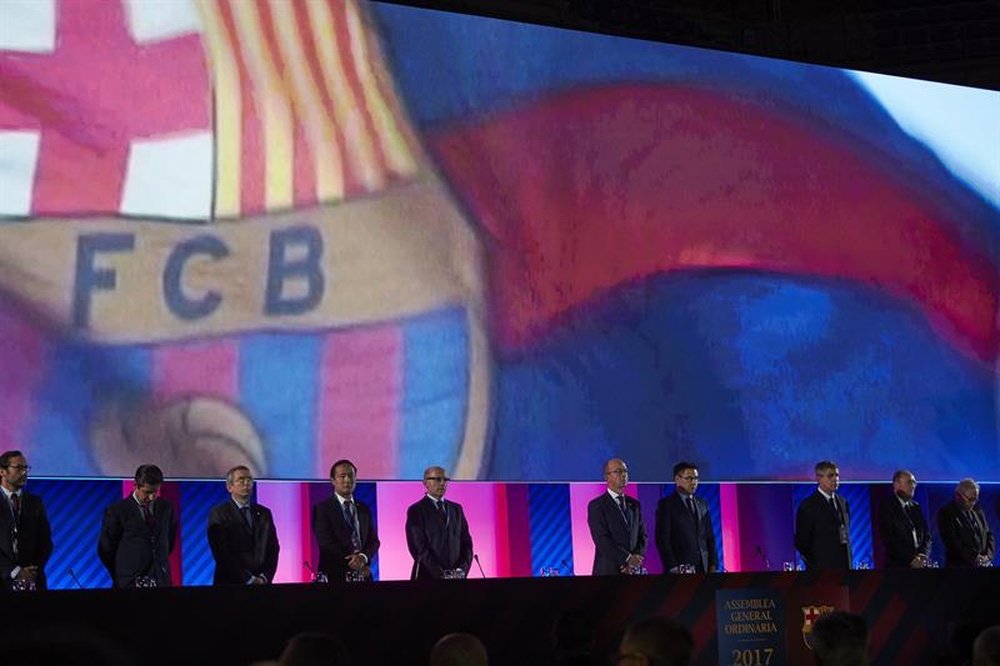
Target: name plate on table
[{"x": 751, "y": 627}]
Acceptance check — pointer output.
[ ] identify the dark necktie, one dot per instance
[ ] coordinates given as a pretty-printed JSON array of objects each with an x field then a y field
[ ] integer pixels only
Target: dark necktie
[
  {"x": 442, "y": 509},
  {"x": 624, "y": 510},
  {"x": 247, "y": 517},
  {"x": 692, "y": 509},
  {"x": 836, "y": 509},
  {"x": 15, "y": 505},
  {"x": 352, "y": 522},
  {"x": 147, "y": 514}
]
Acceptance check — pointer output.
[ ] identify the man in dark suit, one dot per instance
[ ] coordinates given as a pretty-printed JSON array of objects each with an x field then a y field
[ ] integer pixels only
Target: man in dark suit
[
  {"x": 968, "y": 539},
  {"x": 437, "y": 533},
  {"x": 902, "y": 526},
  {"x": 139, "y": 533},
  {"x": 344, "y": 529},
  {"x": 616, "y": 526},
  {"x": 25, "y": 536},
  {"x": 684, "y": 534},
  {"x": 823, "y": 523},
  {"x": 241, "y": 535}
]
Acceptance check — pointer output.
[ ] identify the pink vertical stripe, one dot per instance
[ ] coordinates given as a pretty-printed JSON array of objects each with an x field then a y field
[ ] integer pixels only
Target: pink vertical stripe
[
  {"x": 22, "y": 359},
  {"x": 580, "y": 495},
  {"x": 196, "y": 368},
  {"x": 730, "y": 526},
  {"x": 359, "y": 400},
  {"x": 394, "y": 561},
  {"x": 483, "y": 504},
  {"x": 289, "y": 505}
]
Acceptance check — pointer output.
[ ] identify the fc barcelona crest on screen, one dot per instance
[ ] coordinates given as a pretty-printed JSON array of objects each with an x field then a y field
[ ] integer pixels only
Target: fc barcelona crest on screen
[{"x": 809, "y": 616}]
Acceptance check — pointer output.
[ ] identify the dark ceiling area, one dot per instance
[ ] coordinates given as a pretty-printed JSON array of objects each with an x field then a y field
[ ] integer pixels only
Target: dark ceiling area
[{"x": 950, "y": 41}]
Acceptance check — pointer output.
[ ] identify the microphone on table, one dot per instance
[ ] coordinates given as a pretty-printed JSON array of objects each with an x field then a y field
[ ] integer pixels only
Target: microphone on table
[
  {"x": 475, "y": 556},
  {"x": 763, "y": 558},
  {"x": 309, "y": 568}
]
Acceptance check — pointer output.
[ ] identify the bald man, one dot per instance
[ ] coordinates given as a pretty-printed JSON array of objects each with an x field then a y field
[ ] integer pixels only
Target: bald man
[
  {"x": 437, "y": 533},
  {"x": 616, "y": 526}
]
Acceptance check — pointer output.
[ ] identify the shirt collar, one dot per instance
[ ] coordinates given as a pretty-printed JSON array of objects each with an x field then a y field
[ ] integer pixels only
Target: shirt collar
[
  {"x": 615, "y": 495},
  {"x": 825, "y": 494},
  {"x": 343, "y": 499},
  {"x": 8, "y": 493}
]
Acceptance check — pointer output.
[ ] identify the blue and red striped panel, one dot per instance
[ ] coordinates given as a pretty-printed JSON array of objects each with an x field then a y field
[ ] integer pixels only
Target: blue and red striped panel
[{"x": 392, "y": 397}]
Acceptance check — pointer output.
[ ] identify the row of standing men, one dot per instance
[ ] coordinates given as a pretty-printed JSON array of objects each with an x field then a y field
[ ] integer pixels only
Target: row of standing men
[
  {"x": 139, "y": 532},
  {"x": 685, "y": 535}
]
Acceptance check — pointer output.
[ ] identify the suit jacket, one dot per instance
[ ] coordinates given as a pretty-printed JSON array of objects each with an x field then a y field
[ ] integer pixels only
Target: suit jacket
[
  {"x": 964, "y": 541},
  {"x": 34, "y": 538},
  {"x": 817, "y": 533},
  {"x": 682, "y": 540},
  {"x": 128, "y": 548},
  {"x": 614, "y": 541},
  {"x": 242, "y": 552},
  {"x": 896, "y": 528},
  {"x": 437, "y": 543},
  {"x": 334, "y": 536}
]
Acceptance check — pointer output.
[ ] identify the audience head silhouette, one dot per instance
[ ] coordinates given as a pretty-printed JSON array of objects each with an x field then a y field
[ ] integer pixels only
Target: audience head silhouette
[
  {"x": 314, "y": 649},
  {"x": 841, "y": 639},
  {"x": 459, "y": 650},
  {"x": 986, "y": 649},
  {"x": 656, "y": 641}
]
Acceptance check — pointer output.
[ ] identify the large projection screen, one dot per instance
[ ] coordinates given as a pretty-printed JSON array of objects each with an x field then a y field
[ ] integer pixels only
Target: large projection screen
[{"x": 288, "y": 233}]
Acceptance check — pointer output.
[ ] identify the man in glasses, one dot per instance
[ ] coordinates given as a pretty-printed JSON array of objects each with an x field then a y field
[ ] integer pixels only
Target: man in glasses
[
  {"x": 241, "y": 535},
  {"x": 968, "y": 540},
  {"x": 616, "y": 526},
  {"x": 25, "y": 536},
  {"x": 823, "y": 523},
  {"x": 437, "y": 533},
  {"x": 685, "y": 538}
]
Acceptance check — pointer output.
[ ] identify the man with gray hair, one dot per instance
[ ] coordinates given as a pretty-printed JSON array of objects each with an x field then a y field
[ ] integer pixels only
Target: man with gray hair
[
  {"x": 968, "y": 540},
  {"x": 241, "y": 535}
]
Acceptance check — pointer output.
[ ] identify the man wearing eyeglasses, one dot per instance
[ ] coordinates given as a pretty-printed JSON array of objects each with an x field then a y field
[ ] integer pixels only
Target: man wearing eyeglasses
[
  {"x": 25, "y": 536},
  {"x": 968, "y": 540},
  {"x": 823, "y": 523},
  {"x": 616, "y": 526},
  {"x": 685, "y": 537},
  {"x": 437, "y": 533},
  {"x": 241, "y": 535}
]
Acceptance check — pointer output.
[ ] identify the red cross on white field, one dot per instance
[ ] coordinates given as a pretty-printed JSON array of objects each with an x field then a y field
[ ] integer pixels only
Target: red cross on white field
[{"x": 94, "y": 92}]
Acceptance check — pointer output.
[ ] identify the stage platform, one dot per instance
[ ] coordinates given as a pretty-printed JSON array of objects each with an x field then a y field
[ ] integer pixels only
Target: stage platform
[{"x": 911, "y": 613}]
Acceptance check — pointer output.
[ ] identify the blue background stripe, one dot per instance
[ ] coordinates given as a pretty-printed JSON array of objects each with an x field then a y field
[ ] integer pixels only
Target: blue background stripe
[
  {"x": 279, "y": 375},
  {"x": 197, "y": 500},
  {"x": 66, "y": 406},
  {"x": 434, "y": 396},
  {"x": 550, "y": 526},
  {"x": 75, "y": 509}
]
